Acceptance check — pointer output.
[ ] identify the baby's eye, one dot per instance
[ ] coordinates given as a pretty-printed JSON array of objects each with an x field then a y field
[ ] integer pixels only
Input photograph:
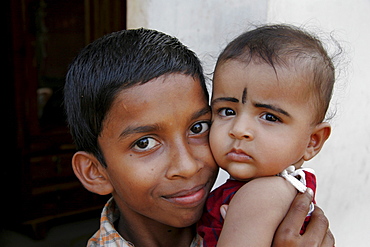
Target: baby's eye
[
  {"x": 224, "y": 112},
  {"x": 145, "y": 144},
  {"x": 199, "y": 128},
  {"x": 270, "y": 117}
]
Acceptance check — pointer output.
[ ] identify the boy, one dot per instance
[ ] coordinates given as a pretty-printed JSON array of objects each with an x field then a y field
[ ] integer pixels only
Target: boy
[
  {"x": 124, "y": 98},
  {"x": 271, "y": 90},
  {"x": 137, "y": 107}
]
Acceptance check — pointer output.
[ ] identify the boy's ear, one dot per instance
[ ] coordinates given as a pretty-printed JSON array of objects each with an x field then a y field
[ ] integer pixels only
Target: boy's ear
[
  {"x": 91, "y": 173},
  {"x": 318, "y": 137}
]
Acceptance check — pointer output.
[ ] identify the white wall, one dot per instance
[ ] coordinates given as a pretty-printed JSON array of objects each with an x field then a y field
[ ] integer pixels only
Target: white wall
[
  {"x": 204, "y": 26},
  {"x": 343, "y": 166}
]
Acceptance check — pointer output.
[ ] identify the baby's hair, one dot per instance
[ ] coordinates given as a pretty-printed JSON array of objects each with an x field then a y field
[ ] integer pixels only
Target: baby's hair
[
  {"x": 117, "y": 62},
  {"x": 286, "y": 45}
]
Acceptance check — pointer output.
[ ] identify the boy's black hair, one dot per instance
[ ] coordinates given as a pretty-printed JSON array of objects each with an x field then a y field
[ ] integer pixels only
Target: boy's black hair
[
  {"x": 285, "y": 45},
  {"x": 113, "y": 63}
]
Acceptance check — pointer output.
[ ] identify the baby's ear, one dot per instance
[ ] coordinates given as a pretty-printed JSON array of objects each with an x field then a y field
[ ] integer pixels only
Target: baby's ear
[
  {"x": 91, "y": 173},
  {"x": 318, "y": 137}
]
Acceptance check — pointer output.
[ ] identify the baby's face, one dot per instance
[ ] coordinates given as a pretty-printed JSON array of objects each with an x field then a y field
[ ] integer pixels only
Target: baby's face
[
  {"x": 261, "y": 122},
  {"x": 155, "y": 142}
]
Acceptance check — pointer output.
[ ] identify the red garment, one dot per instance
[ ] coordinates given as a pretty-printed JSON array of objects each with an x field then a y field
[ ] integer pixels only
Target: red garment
[
  {"x": 310, "y": 183},
  {"x": 210, "y": 225}
]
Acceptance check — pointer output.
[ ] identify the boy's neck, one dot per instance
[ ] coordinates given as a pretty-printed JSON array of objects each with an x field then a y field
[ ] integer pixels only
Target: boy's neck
[{"x": 153, "y": 233}]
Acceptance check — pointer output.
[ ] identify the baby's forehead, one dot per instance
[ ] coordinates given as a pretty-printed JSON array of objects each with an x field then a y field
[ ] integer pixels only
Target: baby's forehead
[
  {"x": 292, "y": 74},
  {"x": 296, "y": 79},
  {"x": 262, "y": 81}
]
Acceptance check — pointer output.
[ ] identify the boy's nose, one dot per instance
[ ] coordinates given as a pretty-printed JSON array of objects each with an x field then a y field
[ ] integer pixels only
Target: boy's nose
[{"x": 182, "y": 163}]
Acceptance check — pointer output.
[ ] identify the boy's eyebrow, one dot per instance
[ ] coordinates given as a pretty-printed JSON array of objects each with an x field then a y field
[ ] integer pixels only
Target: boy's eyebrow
[
  {"x": 201, "y": 112},
  {"x": 272, "y": 107},
  {"x": 230, "y": 99},
  {"x": 130, "y": 130},
  {"x": 140, "y": 129}
]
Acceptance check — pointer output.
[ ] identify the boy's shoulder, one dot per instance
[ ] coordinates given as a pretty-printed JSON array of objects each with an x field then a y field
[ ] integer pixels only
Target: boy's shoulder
[{"x": 107, "y": 235}]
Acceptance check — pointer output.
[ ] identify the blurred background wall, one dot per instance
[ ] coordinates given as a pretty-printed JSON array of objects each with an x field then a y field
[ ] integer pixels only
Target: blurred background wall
[{"x": 343, "y": 166}]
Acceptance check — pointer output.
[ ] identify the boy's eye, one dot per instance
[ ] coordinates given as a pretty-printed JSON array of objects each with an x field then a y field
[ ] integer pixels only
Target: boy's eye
[
  {"x": 270, "y": 117},
  {"x": 145, "y": 144},
  {"x": 226, "y": 112},
  {"x": 199, "y": 128}
]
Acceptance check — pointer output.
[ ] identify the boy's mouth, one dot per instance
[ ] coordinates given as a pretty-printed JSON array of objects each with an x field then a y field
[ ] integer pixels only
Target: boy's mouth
[{"x": 188, "y": 198}]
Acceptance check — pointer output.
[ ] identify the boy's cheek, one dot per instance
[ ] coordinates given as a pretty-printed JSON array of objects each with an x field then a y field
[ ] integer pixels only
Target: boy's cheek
[
  {"x": 201, "y": 141},
  {"x": 200, "y": 145}
]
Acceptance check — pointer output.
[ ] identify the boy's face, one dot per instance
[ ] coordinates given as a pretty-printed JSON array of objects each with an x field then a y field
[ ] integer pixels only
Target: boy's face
[
  {"x": 155, "y": 142},
  {"x": 261, "y": 122}
]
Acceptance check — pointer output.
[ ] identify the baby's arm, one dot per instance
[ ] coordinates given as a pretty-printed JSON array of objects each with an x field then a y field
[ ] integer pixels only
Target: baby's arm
[{"x": 256, "y": 211}]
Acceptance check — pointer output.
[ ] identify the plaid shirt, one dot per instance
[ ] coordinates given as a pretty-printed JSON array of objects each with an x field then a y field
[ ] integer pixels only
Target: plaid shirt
[{"x": 107, "y": 236}]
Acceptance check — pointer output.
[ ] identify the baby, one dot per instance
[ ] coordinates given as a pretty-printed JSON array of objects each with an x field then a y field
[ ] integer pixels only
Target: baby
[{"x": 271, "y": 91}]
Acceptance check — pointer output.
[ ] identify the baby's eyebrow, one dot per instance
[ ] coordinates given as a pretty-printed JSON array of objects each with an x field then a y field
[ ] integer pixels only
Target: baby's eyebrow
[
  {"x": 230, "y": 99},
  {"x": 272, "y": 107}
]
